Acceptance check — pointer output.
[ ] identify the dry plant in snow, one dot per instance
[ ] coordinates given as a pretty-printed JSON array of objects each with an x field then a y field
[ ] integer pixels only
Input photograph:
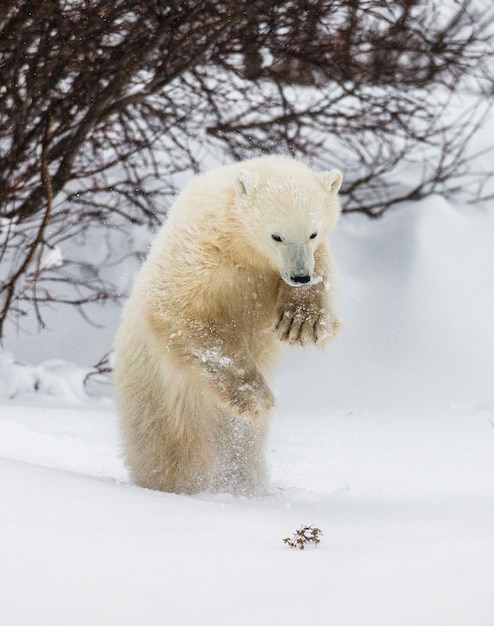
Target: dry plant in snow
[{"x": 305, "y": 535}]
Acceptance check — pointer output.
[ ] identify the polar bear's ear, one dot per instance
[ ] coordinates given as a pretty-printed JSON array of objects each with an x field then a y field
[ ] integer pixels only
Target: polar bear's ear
[
  {"x": 331, "y": 181},
  {"x": 245, "y": 182}
]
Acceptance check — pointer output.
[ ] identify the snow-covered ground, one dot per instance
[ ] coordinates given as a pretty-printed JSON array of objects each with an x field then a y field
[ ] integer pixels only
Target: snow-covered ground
[
  {"x": 405, "y": 500},
  {"x": 385, "y": 442}
]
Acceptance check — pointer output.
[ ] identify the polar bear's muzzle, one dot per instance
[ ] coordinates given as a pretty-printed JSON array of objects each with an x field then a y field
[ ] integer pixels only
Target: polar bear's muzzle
[{"x": 297, "y": 264}]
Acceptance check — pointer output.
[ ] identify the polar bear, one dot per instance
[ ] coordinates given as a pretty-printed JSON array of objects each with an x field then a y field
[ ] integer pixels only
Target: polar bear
[{"x": 240, "y": 266}]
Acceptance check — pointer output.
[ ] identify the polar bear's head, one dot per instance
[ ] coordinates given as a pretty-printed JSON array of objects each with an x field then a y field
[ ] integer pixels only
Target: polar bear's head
[{"x": 287, "y": 212}]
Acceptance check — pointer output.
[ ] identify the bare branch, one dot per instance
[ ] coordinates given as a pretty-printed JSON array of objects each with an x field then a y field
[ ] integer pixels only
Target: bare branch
[{"x": 103, "y": 104}]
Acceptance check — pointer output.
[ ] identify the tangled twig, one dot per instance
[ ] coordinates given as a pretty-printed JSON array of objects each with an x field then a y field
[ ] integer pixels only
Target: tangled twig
[{"x": 303, "y": 536}]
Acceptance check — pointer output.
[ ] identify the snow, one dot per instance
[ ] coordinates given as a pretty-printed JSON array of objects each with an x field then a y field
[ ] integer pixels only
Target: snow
[
  {"x": 405, "y": 501},
  {"x": 384, "y": 441},
  {"x": 52, "y": 377},
  {"x": 52, "y": 257}
]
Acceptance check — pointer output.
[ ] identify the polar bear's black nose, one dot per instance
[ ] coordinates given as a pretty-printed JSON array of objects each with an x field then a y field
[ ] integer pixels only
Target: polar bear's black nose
[{"x": 302, "y": 279}]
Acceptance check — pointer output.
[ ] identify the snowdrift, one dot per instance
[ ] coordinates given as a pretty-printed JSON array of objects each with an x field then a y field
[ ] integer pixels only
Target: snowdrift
[{"x": 417, "y": 303}]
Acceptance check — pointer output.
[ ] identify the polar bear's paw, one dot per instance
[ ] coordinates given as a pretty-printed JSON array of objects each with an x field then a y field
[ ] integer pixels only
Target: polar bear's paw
[
  {"x": 306, "y": 325},
  {"x": 246, "y": 393}
]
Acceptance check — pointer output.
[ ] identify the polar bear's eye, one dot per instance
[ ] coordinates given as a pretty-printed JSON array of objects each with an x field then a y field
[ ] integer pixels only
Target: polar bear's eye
[
  {"x": 277, "y": 238},
  {"x": 313, "y": 236}
]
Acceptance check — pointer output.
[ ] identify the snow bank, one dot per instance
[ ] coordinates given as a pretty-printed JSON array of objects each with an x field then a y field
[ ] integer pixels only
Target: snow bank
[
  {"x": 417, "y": 304},
  {"x": 52, "y": 377}
]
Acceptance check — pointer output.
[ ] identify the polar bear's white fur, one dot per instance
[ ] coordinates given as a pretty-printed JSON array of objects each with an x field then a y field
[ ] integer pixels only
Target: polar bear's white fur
[{"x": 240, "y": 266}]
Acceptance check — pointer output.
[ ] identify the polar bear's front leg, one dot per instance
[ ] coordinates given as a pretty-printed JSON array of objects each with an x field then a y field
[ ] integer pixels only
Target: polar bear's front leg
[
  {"x": 306, "y": 314},
  {"x": 224, "y": 364},
  {"x": 236, "y": 380}
]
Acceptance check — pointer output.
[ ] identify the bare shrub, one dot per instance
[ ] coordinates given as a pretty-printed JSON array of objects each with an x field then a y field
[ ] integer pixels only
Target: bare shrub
[
  {"x": 102, "y": 104},
  {"x": 304, "y": 536}
]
